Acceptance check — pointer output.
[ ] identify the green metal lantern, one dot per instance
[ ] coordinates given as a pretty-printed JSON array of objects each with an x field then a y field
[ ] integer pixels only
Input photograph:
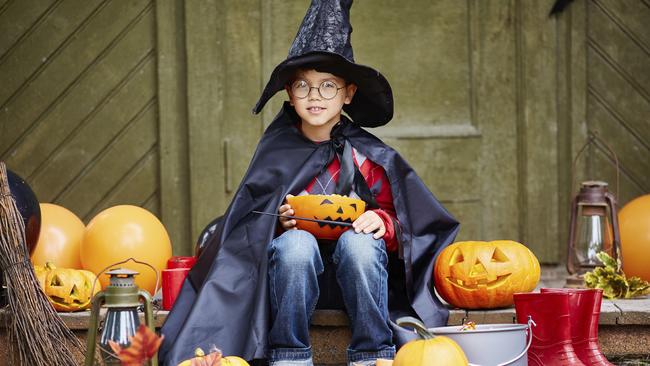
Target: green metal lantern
[{"x": 121, "y": 299}]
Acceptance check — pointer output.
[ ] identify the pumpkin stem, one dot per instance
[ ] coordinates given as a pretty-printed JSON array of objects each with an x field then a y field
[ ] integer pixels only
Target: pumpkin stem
[{"x": 416, "y": 324}]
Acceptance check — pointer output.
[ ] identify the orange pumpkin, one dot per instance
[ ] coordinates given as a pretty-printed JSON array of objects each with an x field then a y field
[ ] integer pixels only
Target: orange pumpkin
[
  {"x": 485, "y": 275},
  {"x": 213, "y": 358},
  {"x": 431, "y": 350},
  {"x": 67, "y": 289},
  {"x": 331, "y": 207},
  {"x": 233, "y": 361}
]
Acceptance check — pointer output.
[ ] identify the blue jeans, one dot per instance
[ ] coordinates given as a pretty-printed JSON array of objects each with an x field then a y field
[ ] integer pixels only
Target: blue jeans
[{"x": 294, "y": 265}]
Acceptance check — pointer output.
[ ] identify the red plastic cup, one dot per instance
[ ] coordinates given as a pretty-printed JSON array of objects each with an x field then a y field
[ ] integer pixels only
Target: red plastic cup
[
  {"x": 180, "y": 262},
  {"x": 172, "y": 280}
]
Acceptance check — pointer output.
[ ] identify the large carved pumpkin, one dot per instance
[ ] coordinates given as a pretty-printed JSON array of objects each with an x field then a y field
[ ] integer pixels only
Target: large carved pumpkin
[
  {"x": 485, "y": 275},
  {"x": 67, "y": 289},
  {"x": 331, "y": 207}
]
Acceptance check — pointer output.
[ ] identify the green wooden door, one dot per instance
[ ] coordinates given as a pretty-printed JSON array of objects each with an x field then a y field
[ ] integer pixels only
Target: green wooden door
[
  {"x": 78, "y": 115},
  {"x": 148, "y": 102}
]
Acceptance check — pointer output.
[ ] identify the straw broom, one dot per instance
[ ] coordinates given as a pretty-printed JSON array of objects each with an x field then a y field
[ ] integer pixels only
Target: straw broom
[{"x": 37, "y": 335}]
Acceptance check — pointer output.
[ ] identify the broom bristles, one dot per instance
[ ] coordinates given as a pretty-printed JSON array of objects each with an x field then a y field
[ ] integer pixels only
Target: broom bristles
[{"x": 37, "y": 335}]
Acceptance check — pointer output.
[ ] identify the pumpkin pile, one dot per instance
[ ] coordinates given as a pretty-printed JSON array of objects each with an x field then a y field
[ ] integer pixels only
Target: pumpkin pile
[
  {"x": 485, "y": 275},
  {"x": 67, "y": 289}
]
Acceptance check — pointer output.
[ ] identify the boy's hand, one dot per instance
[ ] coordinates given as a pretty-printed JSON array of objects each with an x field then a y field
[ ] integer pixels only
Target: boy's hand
[
  {"x": 368, "y": 222},
  {"x": 286, "y": 210}
]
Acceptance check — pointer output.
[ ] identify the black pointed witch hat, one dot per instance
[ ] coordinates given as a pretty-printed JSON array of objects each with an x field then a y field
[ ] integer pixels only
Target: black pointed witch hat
[{"x": 323, "y": 44}]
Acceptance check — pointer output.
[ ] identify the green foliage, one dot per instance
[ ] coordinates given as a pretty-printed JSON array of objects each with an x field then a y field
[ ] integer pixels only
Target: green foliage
[{"x": 614, "y": 283}]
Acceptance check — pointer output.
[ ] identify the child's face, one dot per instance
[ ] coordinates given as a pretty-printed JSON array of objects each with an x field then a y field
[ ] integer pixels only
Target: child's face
[{"x": 316, "y": 110}]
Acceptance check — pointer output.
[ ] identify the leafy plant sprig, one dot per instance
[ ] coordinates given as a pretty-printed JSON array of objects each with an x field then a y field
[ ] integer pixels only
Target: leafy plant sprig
[{"x": 614, "y": 283}]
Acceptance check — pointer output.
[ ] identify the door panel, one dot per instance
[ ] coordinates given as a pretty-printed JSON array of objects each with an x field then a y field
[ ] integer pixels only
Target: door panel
[
  {"x": 78, "y": 111},
  {"x": 618, "y": 94}
]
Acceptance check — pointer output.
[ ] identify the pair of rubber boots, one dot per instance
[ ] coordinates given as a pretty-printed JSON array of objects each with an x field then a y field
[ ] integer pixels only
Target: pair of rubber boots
[{"x": 567, "y": 326}]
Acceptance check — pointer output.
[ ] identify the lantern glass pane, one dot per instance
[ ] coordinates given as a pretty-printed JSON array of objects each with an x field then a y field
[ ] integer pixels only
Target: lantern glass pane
[
  {"x": 119, "y": 325},
  {"x": 594, "y": 234}
]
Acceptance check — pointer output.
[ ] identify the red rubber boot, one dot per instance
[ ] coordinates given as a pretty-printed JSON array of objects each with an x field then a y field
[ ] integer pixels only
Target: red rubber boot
[
  {"x": 584, "y": 307},
  {"x": 552, "y": 336}
]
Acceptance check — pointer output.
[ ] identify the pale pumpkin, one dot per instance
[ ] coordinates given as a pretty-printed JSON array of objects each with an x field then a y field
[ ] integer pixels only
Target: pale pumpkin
[
  {"x": 67, "y": 289},
  {"x": 485, "y": 275},
  {"x": 331, "y": 207},
  {"x": 213, "y": 359},
  {"x": 430, "y": 350}
]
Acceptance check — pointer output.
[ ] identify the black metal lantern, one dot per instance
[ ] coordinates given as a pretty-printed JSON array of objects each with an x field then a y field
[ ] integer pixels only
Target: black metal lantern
[
  {"x": 594, "y": 224},
  {"x": 121, "y": 299},
  {"x": 594, "y": 228}
]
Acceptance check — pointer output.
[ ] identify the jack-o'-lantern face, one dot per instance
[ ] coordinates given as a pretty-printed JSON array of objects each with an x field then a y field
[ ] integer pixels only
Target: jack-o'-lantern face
[
  {"x": 484, "y": 275},
  {"x": 488, "y": 268},
  {"x": 67, "y": 289},
  {"x": 326, "y": 207}
]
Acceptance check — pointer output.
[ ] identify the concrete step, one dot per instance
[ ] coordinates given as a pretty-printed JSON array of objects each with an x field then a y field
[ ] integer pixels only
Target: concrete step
[
  {"x": 330, "y": 335},
  {"x": 624, "y": 328}
]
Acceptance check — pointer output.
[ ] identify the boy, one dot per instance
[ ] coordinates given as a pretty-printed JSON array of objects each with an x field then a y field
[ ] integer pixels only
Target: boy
[
  {"x": 358, "y": 260},
  {"x": 253, "y": 289}
]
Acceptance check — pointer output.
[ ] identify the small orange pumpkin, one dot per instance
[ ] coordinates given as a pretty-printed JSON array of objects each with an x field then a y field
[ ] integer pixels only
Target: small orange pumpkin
[
  {"x": 430, "y": 350},
  {"x": 331, "y": 207},
  {"x": 485, "y": 275},
  {"x": 67, "y": 289},
  {"x": 213, "y": 358},
  {"x": 233, "y": 361}
]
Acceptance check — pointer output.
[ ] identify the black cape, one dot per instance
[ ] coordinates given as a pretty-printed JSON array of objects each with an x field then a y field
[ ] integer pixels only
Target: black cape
[{"x": 224, "y": 300}]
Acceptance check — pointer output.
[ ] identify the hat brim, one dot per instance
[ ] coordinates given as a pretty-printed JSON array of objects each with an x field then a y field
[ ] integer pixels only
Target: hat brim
[{"x": 372, "y": 105}]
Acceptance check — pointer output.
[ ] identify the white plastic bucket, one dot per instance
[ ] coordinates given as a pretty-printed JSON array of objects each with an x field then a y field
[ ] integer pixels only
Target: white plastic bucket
[{"x": 492, "y": 344}]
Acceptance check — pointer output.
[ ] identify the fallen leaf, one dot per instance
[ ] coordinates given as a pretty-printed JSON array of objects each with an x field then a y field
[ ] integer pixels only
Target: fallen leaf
[{"x": 144, "y": 345}]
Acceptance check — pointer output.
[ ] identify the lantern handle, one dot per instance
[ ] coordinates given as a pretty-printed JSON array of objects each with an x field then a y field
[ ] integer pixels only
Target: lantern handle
[
  {"x": 593, "y": 138},
  {"x": 122, "y": 262},
  {"x": 92, "y": 328},
  {"x": 617, "y": 249},
  {"x": 148, "y": 319}
]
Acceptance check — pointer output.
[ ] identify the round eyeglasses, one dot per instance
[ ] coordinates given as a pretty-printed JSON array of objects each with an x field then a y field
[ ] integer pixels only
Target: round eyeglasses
[{"x": 327, "y": 89}]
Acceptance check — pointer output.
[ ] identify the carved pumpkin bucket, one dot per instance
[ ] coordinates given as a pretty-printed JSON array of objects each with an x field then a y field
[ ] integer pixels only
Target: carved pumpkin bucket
[
  {"x": 67, "y": 289},
  {"x": 485, "y": 275},
  {"x": 331, "y": 207}
]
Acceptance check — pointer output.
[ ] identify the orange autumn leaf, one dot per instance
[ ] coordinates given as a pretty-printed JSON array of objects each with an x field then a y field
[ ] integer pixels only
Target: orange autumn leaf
[{"x": 144, "y": 345}]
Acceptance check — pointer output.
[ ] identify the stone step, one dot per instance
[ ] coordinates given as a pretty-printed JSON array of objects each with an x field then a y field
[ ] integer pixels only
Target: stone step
[{"x": 624, "y": 328}]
